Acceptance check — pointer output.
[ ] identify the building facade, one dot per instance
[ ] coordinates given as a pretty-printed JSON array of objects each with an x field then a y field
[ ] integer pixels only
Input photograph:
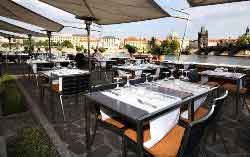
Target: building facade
[
  {"x": 110, "y": 42},
  {"x": 141, "y": 44}
]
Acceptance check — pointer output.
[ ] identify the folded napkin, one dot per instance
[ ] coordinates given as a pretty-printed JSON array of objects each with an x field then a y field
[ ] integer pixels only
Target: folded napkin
[
  {"x": 161, "y": 126},
  {"x": 197, "y": 104}
]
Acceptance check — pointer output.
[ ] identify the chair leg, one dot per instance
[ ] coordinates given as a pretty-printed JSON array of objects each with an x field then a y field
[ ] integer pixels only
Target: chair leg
[
  {"x": 94, "y": 132},
  {"x": 245, "y": 104},
  {"x": 124, "y": 147},
  {"x": 223, "y": 142},
  {"x": 36, "y": 80},
  {"x": 61, "y": 101}
]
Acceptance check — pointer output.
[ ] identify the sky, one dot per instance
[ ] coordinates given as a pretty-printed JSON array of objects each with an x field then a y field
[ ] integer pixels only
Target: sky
[{"x": 221, "y": 21}]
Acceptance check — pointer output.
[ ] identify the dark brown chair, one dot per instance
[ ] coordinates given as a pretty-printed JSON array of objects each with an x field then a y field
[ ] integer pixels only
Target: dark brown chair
[
  {"x": 181, "y": 141},
  {"x": 70, "y": 85},
  {"x": 232, "y": 88}
]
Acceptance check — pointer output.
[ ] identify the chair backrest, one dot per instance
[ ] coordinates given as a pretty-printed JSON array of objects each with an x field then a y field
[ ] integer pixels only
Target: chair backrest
[
  {"x": 103, "y": 87},
  {"x": 195, "y": 131},
  {"x": 193, "y": 134},
  {"x": 137, "y": 81},
  {"x": 122, "y": 73},
  {"x": 218, "y": 102},
  {"x": 193, "y": 75},
  {"x": 75, "y": 84}
]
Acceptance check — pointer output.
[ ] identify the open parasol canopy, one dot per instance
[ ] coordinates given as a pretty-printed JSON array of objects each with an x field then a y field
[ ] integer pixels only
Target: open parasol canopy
[
  {"x": 195, "y": 3},
  {"x": 107, "y": 12},
  {"x": 13, "y": 10},
  {"x": 16, "y": 29}
]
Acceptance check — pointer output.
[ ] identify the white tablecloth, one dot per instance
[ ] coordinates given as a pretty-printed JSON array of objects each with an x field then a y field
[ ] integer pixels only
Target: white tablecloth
[{"x": 142, "y": 98}]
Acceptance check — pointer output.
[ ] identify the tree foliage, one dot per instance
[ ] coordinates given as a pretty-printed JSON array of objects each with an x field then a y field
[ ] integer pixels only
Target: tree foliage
[
  {"x": 102, "y": 49},
  {"x": 168, "y": 46},
  {"x": 79, "y": 48},
  {"x": 243, "y": 40},
  {"x": 131, "y": 49},
  {"x": 67, "y": 44}
]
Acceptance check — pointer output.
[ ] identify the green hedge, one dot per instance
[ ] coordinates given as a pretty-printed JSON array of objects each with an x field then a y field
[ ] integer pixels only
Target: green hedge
[
  {"x": 32, "y": 142},
  {"x": 12, "y": 100}
]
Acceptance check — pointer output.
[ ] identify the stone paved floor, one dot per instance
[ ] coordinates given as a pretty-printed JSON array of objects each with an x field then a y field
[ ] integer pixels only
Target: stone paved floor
[{"x": 108, "y": 144}]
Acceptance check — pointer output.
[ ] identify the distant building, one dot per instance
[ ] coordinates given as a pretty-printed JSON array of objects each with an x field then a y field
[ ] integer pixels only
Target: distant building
[
  {"x": 76, "y": 40},
  {"x": 193, "y": 44},
  {"x": 141, "y": 44},
  {"x": 110, "y": 42},
  {"x": 203, "y": 38}
]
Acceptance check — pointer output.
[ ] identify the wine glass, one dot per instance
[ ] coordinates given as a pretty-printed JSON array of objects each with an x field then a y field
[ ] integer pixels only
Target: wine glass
[
  {"x": 128, "y": 84},
  {"x": 172, "y": 74},
  {"x": 186, "y": 76},
  {"x": 182, "y": 76},
  {"x": 166, "y": 75},
  {"x": 147, "y": 74},
  {"x": 117, "y": 82}
]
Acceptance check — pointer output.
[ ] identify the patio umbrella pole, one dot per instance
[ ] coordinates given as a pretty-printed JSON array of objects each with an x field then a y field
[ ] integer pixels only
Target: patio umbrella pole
[
  {"x": 88, "y": 24},
  {"x": 6, "y": 55},
  {"x": 49, "y": 37}
]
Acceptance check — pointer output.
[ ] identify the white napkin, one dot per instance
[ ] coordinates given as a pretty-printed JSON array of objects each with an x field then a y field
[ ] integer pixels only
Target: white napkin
[
  {"x": 197, "y": 104},
  {"x": 161, "y": 126}
]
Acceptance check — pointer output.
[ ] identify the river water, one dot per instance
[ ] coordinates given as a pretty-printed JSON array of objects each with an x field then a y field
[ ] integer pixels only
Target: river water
[{"x": 243, "y": 61}]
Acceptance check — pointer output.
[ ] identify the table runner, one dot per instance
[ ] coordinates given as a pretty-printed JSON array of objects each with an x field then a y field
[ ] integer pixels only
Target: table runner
[
  {"x": 172, "y": 92},
  {"x": 223, "y": 74}
]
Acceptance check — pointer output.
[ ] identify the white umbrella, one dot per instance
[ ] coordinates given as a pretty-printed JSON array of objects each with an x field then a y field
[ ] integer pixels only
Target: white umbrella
[
  {"x": 16, "y": 29},
  {"x": 195, "y": 3},
  {"x": 12, "y": 10},
  {"x": 106, "y": 12}
]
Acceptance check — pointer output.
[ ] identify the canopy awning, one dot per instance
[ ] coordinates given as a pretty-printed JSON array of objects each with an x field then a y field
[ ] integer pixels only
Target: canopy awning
[
  {"x": 12, "y": 10},
  {"x": 195, "y": 3},
  {"x": 6, "y": 35},
  {"x": 16, "y": 29},
  {"x": 105, "y": 12}
]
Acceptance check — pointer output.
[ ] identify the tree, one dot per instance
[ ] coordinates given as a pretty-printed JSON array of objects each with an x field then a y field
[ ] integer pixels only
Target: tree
[
  {"x": 102, "y": 49},
  {"x": 243, "y": 40},
  {"x": 131, "y": 49},
  {"x": 67, "y": 44},
  {"x": 5, "y": 45},
  {"x": 79, "y": 48},
  {"x": 152, "y": 43}
]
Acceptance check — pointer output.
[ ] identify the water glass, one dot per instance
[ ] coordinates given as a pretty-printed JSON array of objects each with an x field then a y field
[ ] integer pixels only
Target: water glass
[{"x": 172, "y": 74}]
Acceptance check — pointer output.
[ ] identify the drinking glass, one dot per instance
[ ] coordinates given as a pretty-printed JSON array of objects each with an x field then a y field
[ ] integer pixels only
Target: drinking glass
[
  {"x": 147, "y": 74},
  {"x": 172, "y": 74},
  {"x": 117, "y": 82},
  {"x": 182, "y": 76},
  {"x": 186, "y": 76},
  {"x": 128, "y": 84},
  {"x": 166, "y": 75}
]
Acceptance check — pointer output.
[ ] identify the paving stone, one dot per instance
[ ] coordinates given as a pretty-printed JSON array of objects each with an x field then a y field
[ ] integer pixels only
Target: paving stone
[
  {"x": 77, "y": 147},
  {"x": 102, "y": 151},
  {"x": 108, "y": 144}
]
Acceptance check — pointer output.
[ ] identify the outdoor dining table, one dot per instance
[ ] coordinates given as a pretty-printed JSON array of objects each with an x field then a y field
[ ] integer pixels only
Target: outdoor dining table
[
  {"x": 158, "y": 98},
  {"x": 34, "y": 64},
  {"x": 237, "y": 77},
  {"x": 59, "y": 73}
]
